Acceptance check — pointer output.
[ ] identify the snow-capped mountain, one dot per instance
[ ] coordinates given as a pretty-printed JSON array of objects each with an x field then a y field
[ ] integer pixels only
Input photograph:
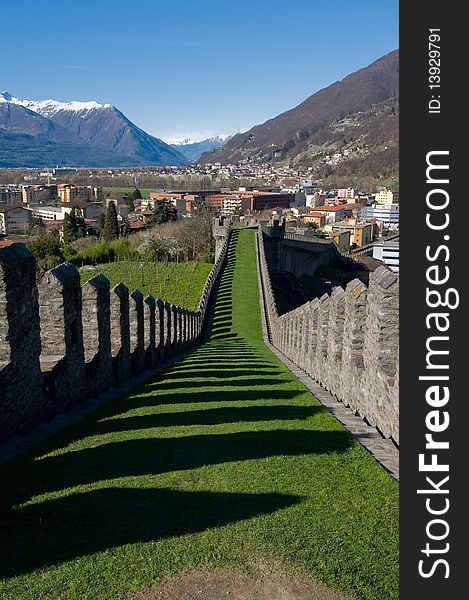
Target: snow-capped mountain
[
  {"x": 48, "y": 108},
  {"x": 99, "y": 126},
  {"x": 182, "y": 141},
  {"x": 193, "y": 148}
]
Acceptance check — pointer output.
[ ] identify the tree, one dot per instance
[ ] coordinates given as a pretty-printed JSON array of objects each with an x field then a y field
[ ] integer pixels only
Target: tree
[
  {"x": 159, "y": 246},
  {"x": 100, "y": 195},
  {"x": 47, "y": 252},
  {"x": 129, "y": 201},
  {"x": 52, "y": 198},
  {"x": 110, "y": 230},
  {"x": 193, "y": 234},
  {"x": 37, "y": 227},
  {"x": 69, "y": 228},
  {"x": 74, "y": 226},
  {"x": 163, "y": 212},
  {"x": 101, "y": 221},
  {"x": 124, "y": 228},
  {"x": 82, "y": 228},
  {"x": 136, "y": 194},
  {"x": 316, "y": 231},
  {"x": 196, "y": 236},
  {"x": 198, "y": 205}
]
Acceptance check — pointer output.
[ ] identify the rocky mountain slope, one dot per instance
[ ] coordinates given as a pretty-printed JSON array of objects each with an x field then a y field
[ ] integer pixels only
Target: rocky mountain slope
[
  {"x": 295, "y": 134},
  {"x": 363, "y": 144}
]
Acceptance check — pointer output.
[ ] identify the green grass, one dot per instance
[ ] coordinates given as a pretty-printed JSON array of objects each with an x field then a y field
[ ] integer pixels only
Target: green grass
[
  {"x": 123, "y": 190},
  {"x": 222, "y": 459},
  {"x": 178, "y": 283}
]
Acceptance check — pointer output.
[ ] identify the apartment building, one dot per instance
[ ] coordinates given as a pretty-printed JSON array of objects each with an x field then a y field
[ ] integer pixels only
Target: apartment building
[
  {"x": 33, "y": 194},
  {"x": 361, "y": 234},
  {"x": 236, "y": 205},
  {"x": 317, "y": 199},
  {"x": 347, "y": 193},
  {"x": 388, "y": 252},
  {"x": 384, "y": 197},
  {"x": 49, "y": 213},
  {"x": 11, "y": 196},
  {"x": 387, "y": 213},
  {"x": 68, "y": 193},
  {"x": 15, "y": 219},
  {"x": 341, "y": 239}
]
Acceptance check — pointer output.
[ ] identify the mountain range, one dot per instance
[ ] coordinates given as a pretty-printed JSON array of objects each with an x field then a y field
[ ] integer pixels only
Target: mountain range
[
  {"x": 364, "y": 103},
  {"x": 193, "y": 149},
  {"x": 349, "y": 127},
  {"x": 44, "y": 133}
]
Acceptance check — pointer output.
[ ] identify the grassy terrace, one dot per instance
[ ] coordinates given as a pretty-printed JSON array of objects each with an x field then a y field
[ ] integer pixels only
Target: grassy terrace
[
  {"x": 178, "y": 283},
  {"x": 223, "y": 459}
]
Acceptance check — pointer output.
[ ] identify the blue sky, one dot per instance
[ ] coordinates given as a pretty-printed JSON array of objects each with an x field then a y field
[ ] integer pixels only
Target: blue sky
[{"x": 192, "y": 67}]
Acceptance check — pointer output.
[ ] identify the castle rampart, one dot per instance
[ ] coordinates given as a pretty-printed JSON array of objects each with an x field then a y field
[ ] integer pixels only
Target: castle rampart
[
  {"x": 61, "y": 343},
  {"x": 293, "y": 253},
  {"x": 348, "y": 341}
]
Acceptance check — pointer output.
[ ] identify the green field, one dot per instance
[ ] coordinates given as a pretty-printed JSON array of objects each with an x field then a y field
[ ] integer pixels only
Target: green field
[
  {"x": 221, "y": 460},
  {"x": 123, "y": 190},
  {"x": 178, "y": 283}
]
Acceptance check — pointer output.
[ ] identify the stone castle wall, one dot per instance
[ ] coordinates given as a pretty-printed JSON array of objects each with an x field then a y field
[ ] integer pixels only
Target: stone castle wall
[
  {"x": 61, "y": 343},
  {"x": 220, "y": 228},
  {"x": 348, "y": 341},
  {"x": 296, "y": 254}
]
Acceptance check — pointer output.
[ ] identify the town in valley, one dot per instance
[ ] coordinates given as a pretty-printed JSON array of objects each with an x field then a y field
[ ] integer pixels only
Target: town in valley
[{"x": 359, "y": 221}]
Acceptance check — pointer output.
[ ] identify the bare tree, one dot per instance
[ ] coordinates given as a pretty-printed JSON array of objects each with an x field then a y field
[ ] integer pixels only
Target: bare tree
[
  {"x": 193, "y": 234},
  {"x": 158, "y": 245}
]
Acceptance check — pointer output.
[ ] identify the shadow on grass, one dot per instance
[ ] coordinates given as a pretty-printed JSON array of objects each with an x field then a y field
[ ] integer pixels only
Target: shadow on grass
[
  {"x": 220, "y": 372},
  {"x": 80, "y": 524},
  {"x": 152, "y": 456},
  {"x": 226, "y": 352},
  {"x": 226, "y": 382},
  {"x": 191, "y": 397},
  {"x": 220, "y": 363},
  {"x": 84, "y": 522},
  {"x": 215, "y": 368},
  {"x": 210, "y": 416},
  {"x": 225, "y": 312}
]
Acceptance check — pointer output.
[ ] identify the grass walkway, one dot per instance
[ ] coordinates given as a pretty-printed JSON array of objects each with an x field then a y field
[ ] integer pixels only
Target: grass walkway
[{"x": 220, "y": 460}]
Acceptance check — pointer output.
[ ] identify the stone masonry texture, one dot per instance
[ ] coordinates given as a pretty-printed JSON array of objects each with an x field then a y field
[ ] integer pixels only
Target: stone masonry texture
[
  {"x": 348, "y": 342},
  {"x": 62, "y": 343}
]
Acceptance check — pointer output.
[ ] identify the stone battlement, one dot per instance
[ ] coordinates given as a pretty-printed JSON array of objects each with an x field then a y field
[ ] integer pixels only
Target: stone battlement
[
  {"x": 61, "y": 343},
  {"x": 294, "y": 253},
  {"x": 348, "y": 342}
]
